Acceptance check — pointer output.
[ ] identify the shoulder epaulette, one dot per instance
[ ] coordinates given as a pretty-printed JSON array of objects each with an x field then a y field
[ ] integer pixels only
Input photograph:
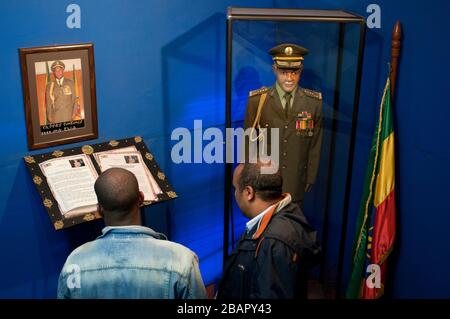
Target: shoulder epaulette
[
  {"x": 258, "y": 91},
  {"x": 313, "y": 94}
]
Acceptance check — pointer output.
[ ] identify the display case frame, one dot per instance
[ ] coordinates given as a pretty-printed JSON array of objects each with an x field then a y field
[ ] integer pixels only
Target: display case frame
[{"x": 341, "y": 18}]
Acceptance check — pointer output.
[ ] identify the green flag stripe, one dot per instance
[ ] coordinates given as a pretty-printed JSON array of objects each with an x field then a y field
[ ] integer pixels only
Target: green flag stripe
[
  {"x": 365, "y": 211},
  {"x": 388, "y": 126},
  {"x": 360, "y": 243}
]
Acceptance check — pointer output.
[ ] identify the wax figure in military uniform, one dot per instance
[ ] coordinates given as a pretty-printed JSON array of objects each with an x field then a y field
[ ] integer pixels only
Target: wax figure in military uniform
[
  {"x": 60, "y": 96},
  {"x": 297, "y": 112}
]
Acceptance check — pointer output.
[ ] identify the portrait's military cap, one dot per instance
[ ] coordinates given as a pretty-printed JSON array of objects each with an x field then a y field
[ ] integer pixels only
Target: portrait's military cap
[
  {"x": 58, "y": 64},
  {"x": 288, "y": 56}
]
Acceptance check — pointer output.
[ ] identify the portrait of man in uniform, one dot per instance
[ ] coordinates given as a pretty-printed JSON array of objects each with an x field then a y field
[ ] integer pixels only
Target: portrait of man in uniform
[
  {"x": 59, "y": 91},
  {"x": 297, "y": 113},
  {"x": 59, "y": 94},
  {"x": 61, "y": 99}
]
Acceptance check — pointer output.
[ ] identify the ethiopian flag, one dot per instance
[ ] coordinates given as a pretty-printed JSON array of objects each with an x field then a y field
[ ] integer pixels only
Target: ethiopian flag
[{"x": 375, "y": 232}]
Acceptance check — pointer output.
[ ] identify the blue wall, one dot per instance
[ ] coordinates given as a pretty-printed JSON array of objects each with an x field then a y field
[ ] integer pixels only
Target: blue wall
[{"x": 159, "y": 65}]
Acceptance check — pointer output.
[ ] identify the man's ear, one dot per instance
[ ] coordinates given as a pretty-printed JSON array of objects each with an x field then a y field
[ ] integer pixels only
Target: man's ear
[
  {"x": 274, "y": 69},
  {"x": 141, "y": 198},
  {"x": 249, "y": 193},
  {"x": 100, "y": 210}
]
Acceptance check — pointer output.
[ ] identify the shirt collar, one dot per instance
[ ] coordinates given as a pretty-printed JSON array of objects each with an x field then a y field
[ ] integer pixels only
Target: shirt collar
[
  {"x": 280, "y": 205},
  {"x": 281, "y": 92},
  {"x": 255, "y": 220}
]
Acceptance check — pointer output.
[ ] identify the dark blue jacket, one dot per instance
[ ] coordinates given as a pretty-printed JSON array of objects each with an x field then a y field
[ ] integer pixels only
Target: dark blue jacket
[{"x": 273, "y": 263}]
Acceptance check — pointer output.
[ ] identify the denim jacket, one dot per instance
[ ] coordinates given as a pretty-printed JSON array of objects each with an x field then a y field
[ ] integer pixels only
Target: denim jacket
[{"x": 131, "y": 262}]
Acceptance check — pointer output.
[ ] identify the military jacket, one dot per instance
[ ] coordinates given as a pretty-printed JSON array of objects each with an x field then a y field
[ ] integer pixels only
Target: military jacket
[
  {"x": 60, "y": 101},
  {"x": 300, "y": 135}
]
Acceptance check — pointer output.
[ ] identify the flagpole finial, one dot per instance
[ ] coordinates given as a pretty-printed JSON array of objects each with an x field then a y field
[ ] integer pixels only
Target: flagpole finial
[{"x": 395, "y": 53}]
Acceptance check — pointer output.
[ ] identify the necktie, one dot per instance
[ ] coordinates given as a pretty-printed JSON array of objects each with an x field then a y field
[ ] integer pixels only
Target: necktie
[{"x": 288, "y": 97}]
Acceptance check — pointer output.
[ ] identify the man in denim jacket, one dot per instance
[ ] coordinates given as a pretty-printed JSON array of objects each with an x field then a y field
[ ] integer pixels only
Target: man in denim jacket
[{"x": 128, "y": 260}]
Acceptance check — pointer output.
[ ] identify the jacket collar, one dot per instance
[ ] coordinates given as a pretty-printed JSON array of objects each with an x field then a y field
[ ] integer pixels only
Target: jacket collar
[
  {"x": 296, "y": 105},
  {"x": 132, "y": 229},
  {"x": 287, "y": 199}
]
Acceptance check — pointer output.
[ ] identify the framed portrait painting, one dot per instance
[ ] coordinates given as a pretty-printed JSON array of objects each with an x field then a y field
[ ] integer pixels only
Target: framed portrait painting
[{"x": 59, "y": 94}]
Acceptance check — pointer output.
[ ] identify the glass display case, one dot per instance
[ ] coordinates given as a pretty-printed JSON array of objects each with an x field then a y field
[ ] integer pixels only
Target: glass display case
[{"x": 335, "y": 41}]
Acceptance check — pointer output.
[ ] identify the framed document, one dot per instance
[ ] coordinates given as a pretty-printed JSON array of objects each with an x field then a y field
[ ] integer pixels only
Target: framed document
[
  {"x": 59, "y": 94},
  {"x": 65, "y": 178}
]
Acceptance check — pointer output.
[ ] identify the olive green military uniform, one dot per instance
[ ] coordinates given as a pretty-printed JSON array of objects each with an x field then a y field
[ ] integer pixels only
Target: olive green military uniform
[
  {"x": 300, "y": 134},
  {"x": 60, "y": 101}
]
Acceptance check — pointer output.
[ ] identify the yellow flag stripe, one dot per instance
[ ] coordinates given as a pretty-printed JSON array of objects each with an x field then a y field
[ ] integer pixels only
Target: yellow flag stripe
[{"x": 386, "y": 171}]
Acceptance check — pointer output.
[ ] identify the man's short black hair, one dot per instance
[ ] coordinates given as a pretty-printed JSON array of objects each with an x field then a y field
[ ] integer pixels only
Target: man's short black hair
[
  {"x": 266, "y": 186},
  {"x": 117, "y": 191}
]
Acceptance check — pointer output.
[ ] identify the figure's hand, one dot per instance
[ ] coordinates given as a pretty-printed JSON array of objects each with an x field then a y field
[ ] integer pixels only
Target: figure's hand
[{"x": 308, "y": 188}]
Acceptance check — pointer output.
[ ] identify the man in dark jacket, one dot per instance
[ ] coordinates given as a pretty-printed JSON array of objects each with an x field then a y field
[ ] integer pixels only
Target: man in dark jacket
[{"x": 271, "y": 259}]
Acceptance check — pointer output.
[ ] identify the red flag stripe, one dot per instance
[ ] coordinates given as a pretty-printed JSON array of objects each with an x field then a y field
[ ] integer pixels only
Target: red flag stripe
[{"x": 383, "y": 230}]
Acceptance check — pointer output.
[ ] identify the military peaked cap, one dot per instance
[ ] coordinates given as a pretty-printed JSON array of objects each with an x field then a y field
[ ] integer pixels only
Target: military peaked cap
[
  {"x": 58, "y": 64},
  {"x": 288, "y": 55}
]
